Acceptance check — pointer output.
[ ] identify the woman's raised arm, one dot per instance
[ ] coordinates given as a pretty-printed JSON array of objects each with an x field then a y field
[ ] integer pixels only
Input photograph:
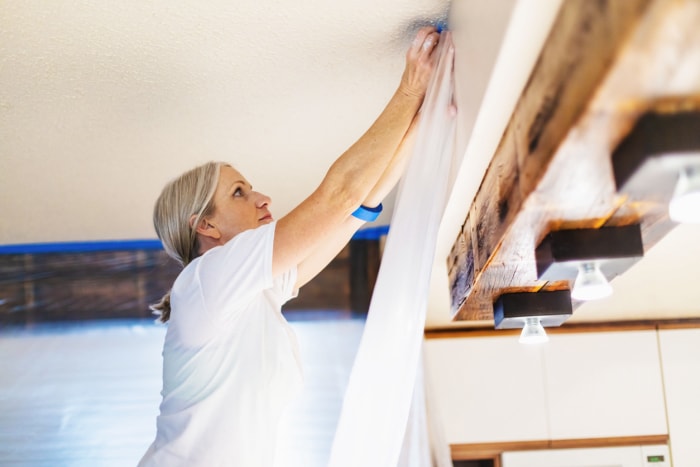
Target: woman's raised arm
[{"x": 323, "y": 220}]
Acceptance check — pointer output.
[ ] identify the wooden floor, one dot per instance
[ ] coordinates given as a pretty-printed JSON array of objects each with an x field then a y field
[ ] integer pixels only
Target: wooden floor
[{"x": 87, "y": 394}]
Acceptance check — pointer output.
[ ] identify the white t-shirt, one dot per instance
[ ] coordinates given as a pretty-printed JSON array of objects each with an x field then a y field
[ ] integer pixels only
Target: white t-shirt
[{"x": 230, "y": 359}]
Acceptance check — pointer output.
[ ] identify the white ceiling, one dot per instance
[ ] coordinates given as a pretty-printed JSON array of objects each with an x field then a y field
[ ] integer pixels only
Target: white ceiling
[{"x": 102, "y": 102}]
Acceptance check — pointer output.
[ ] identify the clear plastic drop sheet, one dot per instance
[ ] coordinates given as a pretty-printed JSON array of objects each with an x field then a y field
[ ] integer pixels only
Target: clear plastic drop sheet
[
  {"x": 82, "y": 285},
  {"x": 378, "y": 399}
]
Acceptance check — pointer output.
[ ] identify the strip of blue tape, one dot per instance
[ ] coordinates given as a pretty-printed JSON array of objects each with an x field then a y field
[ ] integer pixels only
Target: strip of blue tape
[
  {"x": 372, "y": 233},
  {"x": 80, "y": 247}
]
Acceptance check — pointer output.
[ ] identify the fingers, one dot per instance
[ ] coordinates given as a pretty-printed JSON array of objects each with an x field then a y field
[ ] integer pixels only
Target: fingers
[
  {"x": 449, "y": 58},
  {"x": 420, "y": 62},
  {"x": 430, "y": 42},
  {"x": 425, "y": 41}
]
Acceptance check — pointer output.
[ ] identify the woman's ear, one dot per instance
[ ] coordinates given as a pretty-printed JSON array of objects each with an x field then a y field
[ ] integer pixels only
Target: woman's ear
[{"x": 205, "y": 228}]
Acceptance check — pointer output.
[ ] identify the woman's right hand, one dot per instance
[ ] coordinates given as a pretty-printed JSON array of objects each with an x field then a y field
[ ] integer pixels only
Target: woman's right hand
[{"x": 420, "y": 62}]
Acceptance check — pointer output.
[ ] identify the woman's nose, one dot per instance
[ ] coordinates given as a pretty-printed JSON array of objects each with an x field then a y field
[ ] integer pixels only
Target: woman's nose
[{"x": 262, "y": 200}]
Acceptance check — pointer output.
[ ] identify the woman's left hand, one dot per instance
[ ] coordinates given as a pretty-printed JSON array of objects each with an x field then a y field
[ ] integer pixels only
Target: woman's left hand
[{"x": 420, "y": 62}]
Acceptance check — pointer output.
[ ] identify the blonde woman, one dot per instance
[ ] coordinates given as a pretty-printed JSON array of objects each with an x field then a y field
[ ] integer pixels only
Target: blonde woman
[{"x": 230, "y": 360}]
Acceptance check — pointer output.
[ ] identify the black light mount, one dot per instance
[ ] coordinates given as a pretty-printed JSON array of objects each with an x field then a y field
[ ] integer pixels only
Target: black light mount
[
  {"x": 511, "y": 310},
  {"x": 612, "y": 249},
  {"x": 661, "y": 145}
]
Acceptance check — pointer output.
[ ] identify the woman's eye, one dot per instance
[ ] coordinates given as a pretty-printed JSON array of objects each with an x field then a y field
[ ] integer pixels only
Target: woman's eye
[{"x": 238, "y": 192}]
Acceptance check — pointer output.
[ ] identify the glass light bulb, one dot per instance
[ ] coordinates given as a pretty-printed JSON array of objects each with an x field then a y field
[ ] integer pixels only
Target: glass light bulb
[
  {"x": 533, "y": 332},
  {"x": 590, "y": 283},
  {"x": 685, "y": 204}
]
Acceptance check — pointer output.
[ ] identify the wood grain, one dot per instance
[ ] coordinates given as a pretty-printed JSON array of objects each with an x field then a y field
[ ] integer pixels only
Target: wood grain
[{"x": 604, "y": 65}]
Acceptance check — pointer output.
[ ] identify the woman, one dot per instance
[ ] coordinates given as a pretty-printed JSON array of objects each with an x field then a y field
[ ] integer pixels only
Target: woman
[{"x": 230, "y": 360}]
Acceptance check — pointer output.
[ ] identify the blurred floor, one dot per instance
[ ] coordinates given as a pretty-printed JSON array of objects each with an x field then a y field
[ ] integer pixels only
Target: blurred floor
[{"x": 87, "y": 394}]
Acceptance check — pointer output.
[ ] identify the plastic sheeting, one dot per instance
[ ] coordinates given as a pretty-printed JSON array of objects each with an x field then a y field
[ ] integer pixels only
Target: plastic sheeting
[
  {"x": 424, "y": 442},
  {"x": 86, "y": 394},
  {"x": 119, "y": 280},
  {"x": 82, "y": 284},
  {"x": 378, "y": 400}
]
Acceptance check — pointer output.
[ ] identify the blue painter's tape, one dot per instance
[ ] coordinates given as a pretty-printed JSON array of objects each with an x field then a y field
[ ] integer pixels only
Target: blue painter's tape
[
  {"x": 80, "y": 247},
  {"x": 372, "y": 233},
  {"x": 368, "y": 214}
]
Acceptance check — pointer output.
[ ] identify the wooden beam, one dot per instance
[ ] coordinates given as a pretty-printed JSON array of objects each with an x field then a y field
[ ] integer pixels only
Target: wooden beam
[{"x": 604, "y": 65}]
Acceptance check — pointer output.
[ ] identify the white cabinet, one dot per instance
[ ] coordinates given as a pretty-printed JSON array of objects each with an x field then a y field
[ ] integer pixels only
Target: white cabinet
[
  {"x": 587, "y": 385},
  {"x": 627, "y": 456},
  {"x": 680, "y": 355},
  {"x": 487, "y": 389},
  {"x": 605, "y": 384}
]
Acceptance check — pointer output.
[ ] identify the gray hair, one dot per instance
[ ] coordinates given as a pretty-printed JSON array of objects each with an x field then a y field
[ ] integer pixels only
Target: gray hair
[{"x": 188, "y": 195}]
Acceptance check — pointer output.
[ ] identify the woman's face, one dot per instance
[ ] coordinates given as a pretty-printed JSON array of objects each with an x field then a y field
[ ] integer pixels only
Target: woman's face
[{"x": 236, "y": 206}]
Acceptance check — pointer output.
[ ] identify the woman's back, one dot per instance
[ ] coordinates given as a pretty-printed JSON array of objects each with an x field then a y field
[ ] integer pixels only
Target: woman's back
[{"x": 229, "y": 371}]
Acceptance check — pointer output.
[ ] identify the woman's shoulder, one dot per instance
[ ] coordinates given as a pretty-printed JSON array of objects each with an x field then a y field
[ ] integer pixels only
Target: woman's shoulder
[
  {"x": 229, "y": 274},
  {"x": 244, "y": 242}
]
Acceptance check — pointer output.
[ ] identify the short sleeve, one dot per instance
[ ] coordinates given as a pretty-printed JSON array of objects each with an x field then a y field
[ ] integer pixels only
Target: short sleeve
[
  {"x": 232, "y": 274},
  {"x": 283, "y": 289}
]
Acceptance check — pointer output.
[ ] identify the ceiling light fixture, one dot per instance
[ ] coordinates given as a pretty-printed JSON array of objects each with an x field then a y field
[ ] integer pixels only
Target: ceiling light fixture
[
  {"x": 590, "y": 283},
  {"x": 589, "y": 258},
  {"x": 659, "y": 162},
  {"x": 533, "y": 332},
  {"x": 685, "y": 204},
  {"x": 532, "y": 311}
]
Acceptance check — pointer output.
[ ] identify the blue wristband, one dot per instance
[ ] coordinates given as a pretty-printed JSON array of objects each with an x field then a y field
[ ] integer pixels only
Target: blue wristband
[{"x": 367, "y": 214}]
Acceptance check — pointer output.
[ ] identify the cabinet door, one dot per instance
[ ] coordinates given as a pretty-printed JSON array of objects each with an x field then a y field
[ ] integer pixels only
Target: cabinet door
[
  {"x": 680, "y": 355},
  {"x": 604, "y": 385},
  {"x": 487, "y": 389},
  {"x": 627, "y": 456}
]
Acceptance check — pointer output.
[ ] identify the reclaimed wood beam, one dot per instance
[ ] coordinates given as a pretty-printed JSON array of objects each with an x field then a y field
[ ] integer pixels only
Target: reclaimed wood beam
[{"x": 605, "y": 64}]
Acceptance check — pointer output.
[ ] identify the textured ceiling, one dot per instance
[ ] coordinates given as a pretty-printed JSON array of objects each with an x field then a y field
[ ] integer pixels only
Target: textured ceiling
[{"x": 102, "y": 102}]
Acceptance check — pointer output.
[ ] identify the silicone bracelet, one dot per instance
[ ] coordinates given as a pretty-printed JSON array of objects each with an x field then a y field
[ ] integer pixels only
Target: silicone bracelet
[{"x": 367, "y": 214}]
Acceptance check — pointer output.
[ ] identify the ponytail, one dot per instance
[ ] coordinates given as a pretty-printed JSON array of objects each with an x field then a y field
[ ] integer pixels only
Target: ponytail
[
  {"x": 162, "y": 308},
  {"x": 186, "y": 196}
]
